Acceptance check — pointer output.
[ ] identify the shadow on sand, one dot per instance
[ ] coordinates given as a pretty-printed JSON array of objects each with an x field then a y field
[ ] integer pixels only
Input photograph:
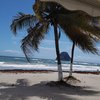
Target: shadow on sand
[{"x": 22, "y": 90}]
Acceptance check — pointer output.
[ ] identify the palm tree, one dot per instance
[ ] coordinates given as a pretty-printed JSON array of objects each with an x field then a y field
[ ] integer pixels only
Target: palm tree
[
  {"x": 92, "y": 29},
  {"x": 72, "y": 57},
  {"x": 79, "y": 26},
  {"x": 37, "y": 26}
]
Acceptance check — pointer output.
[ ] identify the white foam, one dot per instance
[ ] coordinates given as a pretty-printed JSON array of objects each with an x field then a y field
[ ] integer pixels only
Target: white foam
[
  {"x": 65, "y": 67},
  {"x": 2, "y": 63}
]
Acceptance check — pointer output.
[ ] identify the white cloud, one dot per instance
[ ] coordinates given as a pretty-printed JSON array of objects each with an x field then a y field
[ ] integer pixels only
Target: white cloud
[
  {"x": 11, "y": 51},
  {"x": 98, "y": 47},
  {"x": 45, "y": 52},
  {"x": 52, "y": 41},
  {"x": 46, "y": 48},
  {"x": 51, "y": 44},
  {"x": 49, "y": 41}
]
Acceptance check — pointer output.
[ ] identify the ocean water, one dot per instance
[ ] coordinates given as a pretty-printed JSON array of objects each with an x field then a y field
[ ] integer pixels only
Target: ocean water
[{"x": 9, "y": 63}]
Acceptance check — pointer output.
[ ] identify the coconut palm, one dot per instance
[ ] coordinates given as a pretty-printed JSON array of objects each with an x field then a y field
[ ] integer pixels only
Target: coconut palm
[
  {"x": 37, "y": 26},
  {"x": 90, "y": 27},
  {"x": 79, "y": 26},
  {"x": 72, "y": 57}
]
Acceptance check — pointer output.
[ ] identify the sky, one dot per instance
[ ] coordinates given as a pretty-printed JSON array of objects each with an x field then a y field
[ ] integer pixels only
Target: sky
[{"x": 10, "y": 45}]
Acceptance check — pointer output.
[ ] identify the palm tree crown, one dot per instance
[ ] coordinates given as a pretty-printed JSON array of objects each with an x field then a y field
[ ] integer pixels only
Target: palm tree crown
[{"x": 82, "y": 28}]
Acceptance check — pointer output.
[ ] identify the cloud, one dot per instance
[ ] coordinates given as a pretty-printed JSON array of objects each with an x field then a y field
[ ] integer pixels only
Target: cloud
[
  {"x": 46, "y": 48},
  {"x": 11, "y": 51},
  {"x": 98, "y": 47},
  {"x": 51, "y": 44},
  {"x": 45, "y": 52},
  {"x": 52, "y": 41}
]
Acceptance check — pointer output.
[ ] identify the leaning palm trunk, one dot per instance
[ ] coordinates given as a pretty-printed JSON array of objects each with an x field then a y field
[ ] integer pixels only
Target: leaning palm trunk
[
  {"x": 60, "y": 74},
  {"x": 72, "y": 56}
]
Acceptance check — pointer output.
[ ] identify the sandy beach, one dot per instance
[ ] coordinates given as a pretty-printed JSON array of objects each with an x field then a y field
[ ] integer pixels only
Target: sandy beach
[{"x": 33, "y": 86}]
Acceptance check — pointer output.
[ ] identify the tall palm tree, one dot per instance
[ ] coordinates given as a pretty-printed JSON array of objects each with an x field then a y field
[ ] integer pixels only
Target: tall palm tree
[
  {"x": 72, "y": 57},
  {"x": 37, "y": 26},
  {"x": 79, "y": 26},
  {"x": 92, "y": 26}
]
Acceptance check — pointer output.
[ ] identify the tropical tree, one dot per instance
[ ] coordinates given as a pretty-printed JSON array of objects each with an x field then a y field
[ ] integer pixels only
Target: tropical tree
[
  {"x": 97, "y": 23},
  {"x": 37, "y": 26},
  {"x": 79, "y": 26},
  {"x": 91, "y": 30},
  {"x": 72, "y": 57}
]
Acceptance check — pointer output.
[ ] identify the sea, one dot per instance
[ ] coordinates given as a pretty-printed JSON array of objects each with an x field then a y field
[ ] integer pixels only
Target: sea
[{"x": 20, "y": 63}]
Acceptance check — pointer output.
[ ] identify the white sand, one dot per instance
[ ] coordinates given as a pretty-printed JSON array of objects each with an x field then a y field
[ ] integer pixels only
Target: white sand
[{"x": 28, "y": 86}]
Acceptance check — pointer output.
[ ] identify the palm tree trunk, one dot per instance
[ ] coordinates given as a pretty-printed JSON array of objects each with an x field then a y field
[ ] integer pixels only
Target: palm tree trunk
[
  {"x": 72, "y": 56},
  {"x": 60, "y": 74}
]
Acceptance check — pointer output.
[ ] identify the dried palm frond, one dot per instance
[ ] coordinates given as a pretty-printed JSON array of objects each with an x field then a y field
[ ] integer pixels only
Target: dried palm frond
[
  {"x": 32, "y": 40},
  {"x": 23, "y": 21},
  {"x": 79, "y": 26},
  {"x": 81, "y": 19}
]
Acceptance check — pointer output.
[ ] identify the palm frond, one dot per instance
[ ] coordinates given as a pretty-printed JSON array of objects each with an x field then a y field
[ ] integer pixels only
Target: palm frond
[
  {"x": 22, "y": 21},
  {"x": 77, "y": 24},
  {"x": 31, "y": 42},
  {"x": 96, "y": 22},
  {"x": 81, "y": 19},
  {"x": 37, "y": 9},
  {"x": 84, "y": 41},
  {"x": 82, "y": 22}
]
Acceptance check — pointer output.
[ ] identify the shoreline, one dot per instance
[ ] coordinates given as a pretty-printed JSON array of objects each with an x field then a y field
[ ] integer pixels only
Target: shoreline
[{"x": 47, "y": 71}]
